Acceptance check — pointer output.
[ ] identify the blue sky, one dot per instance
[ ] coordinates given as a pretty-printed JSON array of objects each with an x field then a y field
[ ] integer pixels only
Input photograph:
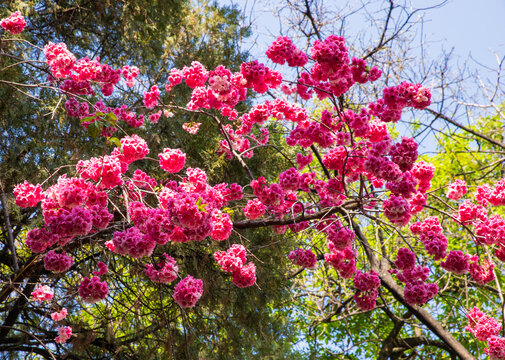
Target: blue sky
[{"x": 470, "y": 27}]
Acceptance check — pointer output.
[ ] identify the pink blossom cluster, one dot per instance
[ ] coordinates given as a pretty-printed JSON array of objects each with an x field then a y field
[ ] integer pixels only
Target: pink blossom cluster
[
  {"x": 102, "y": 269},
  {"x": 140, "y": 180},
  {"x": 404, "y": 154},
  {"x": 417, "y": 290},
  {"x": 490, "y": 230},
  {"x": 358, "y": 122},
  {"x": 397, "y": 210},
  {"x": 38, "y": 240},
  {"x": 188, "y": 291},
  {"x": 168, "y": 270},
  {"x": 233, "y": 192},
  {"x": 340, "y": 236},
  {"x": 407, "y": 180},
  {"x": 423, "y": 172},
  {"x": 79, "y": 75},
  {"x": 58, "y": 316},
  {"x": 221, "y": 226},
  {"x": 77, "y": 109},
  {"x": 486, "y": 329},
  {"x": 14, "y": 24},
  {"x": 57, "y": 262},
  {"x": 133, "y": 242},
  {"x": 130, "y": 73},
  {"x": 276, "y": 200},
  {"x": 191, "y": 128},
  {"x": 495, "y": 348},
  {"x": 93, "y": 290},
  {"x": 481, "y": 271},
  {"x": 42, "y": 293},
  {"x": 303, "y": 258},
  {"x": 319, "y": 133},
  {"x": 195, "y": 75},
  {"x": 234, "y": 261},
  {"x": 154, "y": 117},
  {"x": 303, "y": 160},
  {"x": 405, "y": 187},
  {"x": 456, "y": 189},
  {"x": 106, "y": 169},
  {"x": 188, "y": 211},
  {"x": 331, "y": 74},
  {"x": 133, "y": 148},
  {"x": 259, "y": 77},
  {"x": 28, "y": 195},
  {"x": 367, "y": 284},
  {"x": 457, "y": 262},
  {"x": 482, "y": 326},
  {"x": 71, "y": 207},
  {"x": 283, "y": 50},
  {"x": 66, "y": 224},
  {"x": 332, "y": 65},
  {"x": 431, "y": 235},
  {"x": 343, "y": 261},
  {"x": 254, "y": 209},
  {"x": 289, "y": 179},
  {"x": 172, "y": 160},
  {"x": 64, "y": 333},
  {"x": 151, "y": 97},
  {"x": 361, "y": 74},
  {"x": 86, "y": 70},
  {"x": 395, "y": 98},
  {"x": 224, "y": 91},
  {"x": 174, "y": 78},
  {"x": 469, "y": 212},
  {"x": 129, "y": 117},
  {"x": 496, "y": 197}
]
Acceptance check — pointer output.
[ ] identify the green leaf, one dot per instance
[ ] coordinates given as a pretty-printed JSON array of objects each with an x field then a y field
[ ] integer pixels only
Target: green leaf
[
  {"x": 114, "y": 140},
  {"x": 88, "y": 119},
  {"x": 111, "y": 118},
  {"x": 200, "y": 206},
  {"x": 94, "y": 130}
]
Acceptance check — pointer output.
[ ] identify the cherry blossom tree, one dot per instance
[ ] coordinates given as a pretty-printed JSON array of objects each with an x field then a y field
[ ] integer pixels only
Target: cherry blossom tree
[{"x": 355, "y": 197}]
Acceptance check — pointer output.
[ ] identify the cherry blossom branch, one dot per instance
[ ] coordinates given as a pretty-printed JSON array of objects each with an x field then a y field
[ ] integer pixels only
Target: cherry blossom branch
[
  {"x": 467, "y": 129},
  {"x": 249, "y": 224}
]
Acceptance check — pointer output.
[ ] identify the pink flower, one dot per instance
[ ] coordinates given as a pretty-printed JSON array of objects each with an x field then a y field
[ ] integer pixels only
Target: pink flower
[
  {"x": 42, "y": 293},
  {"x": 102, "y": 269},
  {"x": 58, "y": 316},
  {"x": 244, "y": 276},
  {"x": 56, "y": 262},
  {"x": 188, "y": 291},
  {"x": 254, "y": 209},
  {"x": 93, "y": 290},
  {"x": 28, "y": 195},
  {"x": 151, "y": 97},
  {"x": 133, "y": 148},
  {"x": 172, "y": 160},
  {"x": 167, "y": 272},
  {"x": 456, "y": 189},
  {"x": 191, "y": 128},
  {"x": 65, "y": 332},
  {"x": 397, "y": 210},
  {"x": 303, "y": 258},
  {"x": 14, "y": 24},
  {"x": 60, "y": 59}
]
